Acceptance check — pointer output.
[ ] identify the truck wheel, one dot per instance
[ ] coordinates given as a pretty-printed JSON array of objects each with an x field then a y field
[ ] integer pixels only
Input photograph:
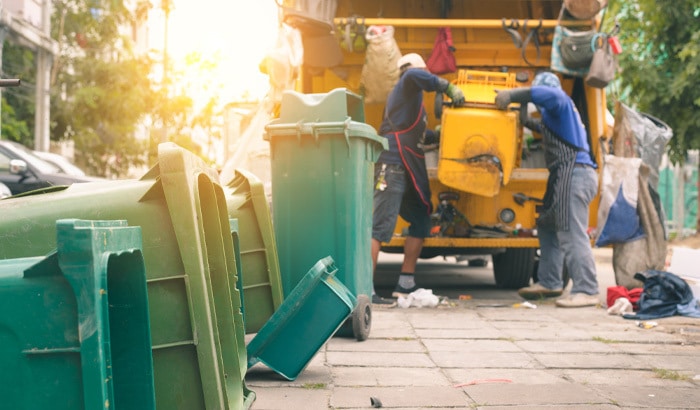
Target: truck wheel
[{"x": 513, "y": 268}]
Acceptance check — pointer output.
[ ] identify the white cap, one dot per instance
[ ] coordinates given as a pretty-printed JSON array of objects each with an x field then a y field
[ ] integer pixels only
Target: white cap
[{"x": 412, "y": 59}]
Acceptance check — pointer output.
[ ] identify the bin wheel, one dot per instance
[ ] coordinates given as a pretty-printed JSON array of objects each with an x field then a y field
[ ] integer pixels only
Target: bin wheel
[{"x": 362, "y": 318}]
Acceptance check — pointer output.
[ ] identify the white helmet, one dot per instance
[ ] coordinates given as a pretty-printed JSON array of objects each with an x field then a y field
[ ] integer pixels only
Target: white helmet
[{"x": 411, "y": 60}]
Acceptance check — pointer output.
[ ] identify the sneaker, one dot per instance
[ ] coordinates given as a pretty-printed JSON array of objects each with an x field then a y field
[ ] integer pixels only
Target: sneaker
[
  {"x": 380, "y": 301},
  {"x": 403, "y": 292},
  {"x": 537, "y": 291},
  {"x": 578, "y": 300}
]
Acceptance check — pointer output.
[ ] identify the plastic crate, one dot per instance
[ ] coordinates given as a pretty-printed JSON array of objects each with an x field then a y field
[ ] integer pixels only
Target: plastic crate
[{"x": 479, "y": 86}]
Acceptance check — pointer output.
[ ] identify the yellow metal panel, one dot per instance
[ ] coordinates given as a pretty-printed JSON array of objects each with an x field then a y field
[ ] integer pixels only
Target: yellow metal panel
[
  {"x": 471, "y": 136},
  {"x": 513, "y": 242}
]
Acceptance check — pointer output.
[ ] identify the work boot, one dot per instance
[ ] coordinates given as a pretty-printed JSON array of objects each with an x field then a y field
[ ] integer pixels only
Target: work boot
[
  {"x": 382, "y": 302},
  {"x": 575, "y": 300},
  {"x": 400, "y": 291},
  {"x": 537, "y": 291}
]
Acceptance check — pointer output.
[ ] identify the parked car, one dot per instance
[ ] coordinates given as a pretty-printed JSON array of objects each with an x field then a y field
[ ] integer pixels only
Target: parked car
[
  {"x": 61, "y": 162},
  {"x": 4, "y": 191},
  {"x": 22, "y": 171}
]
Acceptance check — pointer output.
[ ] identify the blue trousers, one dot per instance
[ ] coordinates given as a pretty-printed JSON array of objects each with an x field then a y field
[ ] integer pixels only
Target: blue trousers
[{"x": 571, "y": 248}]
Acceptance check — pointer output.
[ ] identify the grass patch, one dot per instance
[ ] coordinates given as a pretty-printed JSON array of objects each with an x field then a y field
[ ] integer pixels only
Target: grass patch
[
  {"x": 314, "y": 386},
  {"x": 604, "y": 340},
  {"x": 670, "y": 375}
]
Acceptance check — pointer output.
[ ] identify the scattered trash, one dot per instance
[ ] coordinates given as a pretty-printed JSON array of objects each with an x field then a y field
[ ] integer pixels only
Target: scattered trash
[
  {"x": 419, "y": 298},
  {"x": 525, "y": 305},
  {"x": 621, "y": 306},
  {"x": 492, "y": 305},
  {"x": 376, "y": 403},
  {"x": 465, "y": 297},
  {"x": 482, "y": 381},
  {"x": 647, "y": 324}
]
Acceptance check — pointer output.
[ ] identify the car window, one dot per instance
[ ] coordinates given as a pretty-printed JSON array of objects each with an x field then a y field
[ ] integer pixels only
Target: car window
[
  {"x": 62, "y": 163},
  {"x": 4, "y": 163},
  {"x": 28, "y": 155}
]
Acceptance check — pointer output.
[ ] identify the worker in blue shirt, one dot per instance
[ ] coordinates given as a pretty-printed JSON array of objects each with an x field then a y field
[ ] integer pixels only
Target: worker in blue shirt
[
  {"x": 401, "y": 179},
  {"x": 562, "y": 225}
]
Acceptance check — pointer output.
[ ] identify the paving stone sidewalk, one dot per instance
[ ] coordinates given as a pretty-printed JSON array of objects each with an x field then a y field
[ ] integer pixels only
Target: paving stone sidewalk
[{"x": 481, "y": 354}]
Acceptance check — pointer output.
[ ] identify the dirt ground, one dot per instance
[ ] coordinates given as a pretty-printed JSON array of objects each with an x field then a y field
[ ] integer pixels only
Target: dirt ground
[{"x": 692, "y": 242}]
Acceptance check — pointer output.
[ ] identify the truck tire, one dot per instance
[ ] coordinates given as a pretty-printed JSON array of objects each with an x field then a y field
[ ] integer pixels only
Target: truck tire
[{"x": 513, "y": 268}]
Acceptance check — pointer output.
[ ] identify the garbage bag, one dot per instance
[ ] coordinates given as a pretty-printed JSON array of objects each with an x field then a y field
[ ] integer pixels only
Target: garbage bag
[
  {"x": 651, "y": 135},
  {"x": 649, "y": 251},
  {"x": 618, "y": 221},
  {"x": 380, "y": 72}
]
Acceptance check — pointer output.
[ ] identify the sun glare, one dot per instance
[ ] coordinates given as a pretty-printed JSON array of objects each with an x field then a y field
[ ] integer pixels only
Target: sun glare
[{"x": 235, "y": 34}]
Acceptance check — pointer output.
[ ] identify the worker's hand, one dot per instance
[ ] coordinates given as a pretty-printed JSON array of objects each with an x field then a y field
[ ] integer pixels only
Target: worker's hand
[
  {"x": 456, "y": 94},
  {"x": 502, "y": 99}
]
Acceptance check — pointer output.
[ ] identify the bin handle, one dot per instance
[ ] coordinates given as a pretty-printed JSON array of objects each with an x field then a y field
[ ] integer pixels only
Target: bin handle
[{"x": 316, "y": 130}]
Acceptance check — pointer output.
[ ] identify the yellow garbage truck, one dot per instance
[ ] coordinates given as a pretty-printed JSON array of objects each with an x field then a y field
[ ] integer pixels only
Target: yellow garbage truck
[{"x": 487, "y": 171}]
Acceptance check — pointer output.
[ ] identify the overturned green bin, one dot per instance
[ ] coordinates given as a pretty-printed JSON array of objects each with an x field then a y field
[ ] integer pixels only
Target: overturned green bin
[
  {"x": 309, "y": 316},
  {"x": 198, "y": 345},
  {"x": 260, "y": 281},
  {"x": 322, "y": 161},
  {"x": 74, "y": 327}
]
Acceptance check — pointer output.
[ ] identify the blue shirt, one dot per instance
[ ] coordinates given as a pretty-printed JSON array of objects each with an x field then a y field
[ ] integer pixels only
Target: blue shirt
[{"x": 560, "y": 115}]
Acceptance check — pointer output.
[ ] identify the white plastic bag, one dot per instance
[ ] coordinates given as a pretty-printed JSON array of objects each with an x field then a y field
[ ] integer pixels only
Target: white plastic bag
[
  {"x": 418, "y": 298},
  {"x": 379, "y": 73}
]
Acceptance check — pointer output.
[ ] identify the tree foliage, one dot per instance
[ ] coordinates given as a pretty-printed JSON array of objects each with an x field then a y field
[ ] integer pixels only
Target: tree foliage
[
  {"x": 660, "y": 64},
  {"x": 101, "y": 90},
  {"x": 103, "y": 93},
  {"x": 18, "y": 102}
]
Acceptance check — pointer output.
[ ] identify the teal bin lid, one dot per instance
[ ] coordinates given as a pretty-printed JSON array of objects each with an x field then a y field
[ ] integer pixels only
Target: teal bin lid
[
  {"x": 335, "y": 105},
  {"x": 347, "y": 129},
  {"x": 337, "y": 113}
]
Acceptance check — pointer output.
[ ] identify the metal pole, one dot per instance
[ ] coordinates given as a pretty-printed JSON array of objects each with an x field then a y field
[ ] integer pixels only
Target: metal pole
[
  {"x": 3, "y": 34},
  {"x": 167, "y": 6},
  {"x": 457, "y": 23},
  {"x": 42, "y": 116}
]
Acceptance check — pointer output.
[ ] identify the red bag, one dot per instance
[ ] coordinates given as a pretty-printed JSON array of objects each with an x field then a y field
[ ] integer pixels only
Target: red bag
[
  {"x": 442, "y": 59},
  {"x": 633, "y": 295}
]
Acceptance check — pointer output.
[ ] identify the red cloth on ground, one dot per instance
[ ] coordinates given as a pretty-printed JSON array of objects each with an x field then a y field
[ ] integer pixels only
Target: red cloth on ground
[{"x": 633, "y": 295}]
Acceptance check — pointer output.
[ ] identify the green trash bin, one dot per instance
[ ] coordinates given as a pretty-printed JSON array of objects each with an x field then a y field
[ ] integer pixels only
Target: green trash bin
[
  {"x": 309, "y": 316},
  {"x": 198, "y": 338},
  {"x": 261, "y": 284},
  {"x": 322, "y": 174},
  {"x": 74, "y": 328}
]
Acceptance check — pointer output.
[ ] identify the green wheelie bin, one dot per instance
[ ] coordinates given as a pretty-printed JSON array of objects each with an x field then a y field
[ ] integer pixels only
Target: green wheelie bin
[
  {"x": 252, "y": 232},
  {"x": 322, "y": 161},
  {"x": 74, "y": 327},
  {"x": 197, "y": 331}
]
